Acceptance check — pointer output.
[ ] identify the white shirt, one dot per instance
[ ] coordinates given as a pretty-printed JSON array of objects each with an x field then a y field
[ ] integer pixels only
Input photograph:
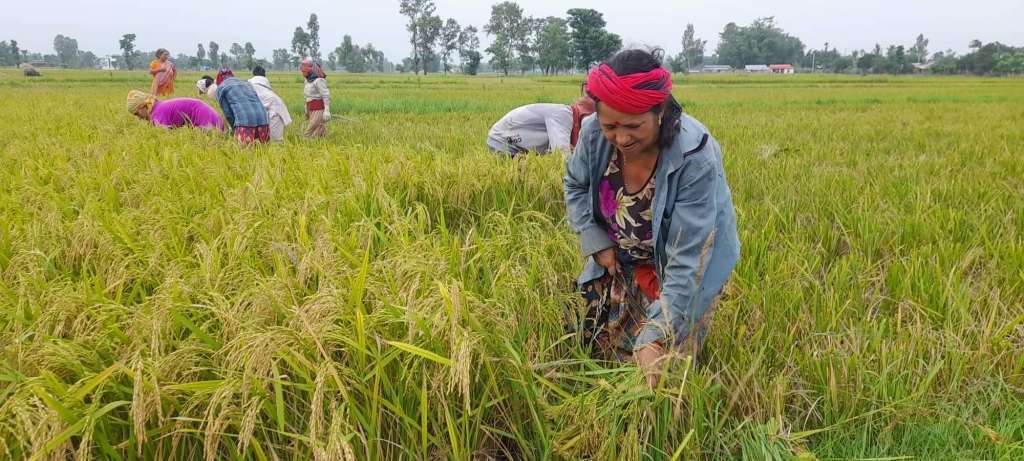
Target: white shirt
[
  {"x": 271, "y": 101},
  {"x": 537, "y": 127},
  {"x": 317, "y": 89}
]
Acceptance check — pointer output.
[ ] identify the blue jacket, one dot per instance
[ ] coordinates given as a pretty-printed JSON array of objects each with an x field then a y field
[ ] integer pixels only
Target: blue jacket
[
  {"x": 694, "y": 225},
  {"x": 241, "y": 104}
]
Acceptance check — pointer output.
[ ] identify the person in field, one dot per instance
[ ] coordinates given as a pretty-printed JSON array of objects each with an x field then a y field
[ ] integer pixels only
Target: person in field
[
  {"x": 541, "y": 128},
  {"x": 242, "y": 108},
  {"x": 318, "y": 99},
  {"x": 207, "y": 87},
  {"x": 646, "y": 192},
  {"x": 277, "y": 111},
  {"x": 164, "y": 72},
  {"x": 173, "y": 113}
]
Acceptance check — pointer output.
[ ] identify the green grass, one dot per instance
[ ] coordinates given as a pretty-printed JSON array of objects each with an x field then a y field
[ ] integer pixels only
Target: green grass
[{"x": 395, "y": 291}]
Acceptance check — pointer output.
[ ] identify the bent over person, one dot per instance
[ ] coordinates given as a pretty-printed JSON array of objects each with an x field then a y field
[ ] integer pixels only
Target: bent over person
[
  {"x": 540, "y": 128},
  {"x": 646, "y": 193},
  {"x": 277, "y": 111},
  {"x": 242, "y": 108},
  {"x": 173, "y": 113}
]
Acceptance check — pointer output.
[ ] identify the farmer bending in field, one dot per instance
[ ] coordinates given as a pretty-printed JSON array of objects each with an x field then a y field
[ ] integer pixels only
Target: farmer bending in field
[
  {"x": 540, "y": 128},
  {"x": 163, "y": 72},
  {"x": 173, "y": 113},
  {"x": 318, "y": 99},
  {"x": 277, "y": 112},
  {"x": 207, "y": 87},
  {"x": 646, "y": 192},
  {"x": 242, "y": 108}
]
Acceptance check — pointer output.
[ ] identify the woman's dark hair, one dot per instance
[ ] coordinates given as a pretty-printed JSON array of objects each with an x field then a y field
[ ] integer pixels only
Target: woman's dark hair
[
  {"x": 635, "y": 61},
  {"x": 160, "y": 51},
  {"x": 259, "y": 71}
]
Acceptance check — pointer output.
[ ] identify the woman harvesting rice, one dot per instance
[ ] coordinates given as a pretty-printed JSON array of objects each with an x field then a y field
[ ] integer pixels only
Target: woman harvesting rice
[
  {"x": 277, "y": 111},
  {"x": 318, "y": 99},
  {"x": 242, "y": 108},
  {"x": 173, "y": 113},
  {"x": 540, "y": 127},
  {"x": 647, "y": 194}
]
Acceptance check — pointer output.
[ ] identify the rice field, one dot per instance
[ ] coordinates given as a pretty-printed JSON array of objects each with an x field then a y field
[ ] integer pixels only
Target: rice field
[{"x": 395, "y": 291}]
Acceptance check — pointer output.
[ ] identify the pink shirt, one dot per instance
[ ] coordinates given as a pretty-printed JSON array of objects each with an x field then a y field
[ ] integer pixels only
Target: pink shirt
[{"x": 179, "y": 112}]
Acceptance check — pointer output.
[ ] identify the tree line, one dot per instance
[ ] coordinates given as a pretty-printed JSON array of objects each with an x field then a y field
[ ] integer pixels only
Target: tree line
[
  {"x": 549, "y": 45},
  {"x": 764, "y": 42}
]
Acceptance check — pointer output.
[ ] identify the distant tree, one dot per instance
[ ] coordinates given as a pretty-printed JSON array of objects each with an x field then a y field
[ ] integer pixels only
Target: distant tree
[
  {"x": 16, "y": 52},
  {"x": 526, "y": 48},
  {"x": 237, "y": 54},
  {"x": 1010, "y": 63},
  {"x": 676, "y": 63},
  {"x": 449, "y": 42},
  {"x": 919, "y": 52},
  {"x": 313, "y": 28},
  {"x": 429, "y": 35},
  {"x": 349, "y": 56},
  {"x": 843, "y": 63},
  {"x": 510, "y": 29},
  {"x": 553, "y": 46},
  {"x": 300, "y": 44},
  {"x": 897, "y": 60},
  {"x": 127, "y": 44},
  {"x": 281, "y": 58},
  {"x": 417, "y": 11},
  {"x": 200, "y": 54},
  {"x": 86, "y": 59},
  {"x": 693, "y": 49},
  {"x": 185, "y": 61},
  {"x": 469, "y": 50},
  {"x": 5, "y": 54},
  {"x": 945, "y": 62},
  {"x": 984, "y": 59},
  {"x": 591, "y": 43},
  {"x": 762, "y": 42},
  {"x": 215, "y": 59},
  {"x": 375, "y": 60},
  {"x": 250, "y": 53}
]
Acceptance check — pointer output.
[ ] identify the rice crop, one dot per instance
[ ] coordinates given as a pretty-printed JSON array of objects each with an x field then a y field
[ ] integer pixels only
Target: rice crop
[{"x": 396, "y": 291}]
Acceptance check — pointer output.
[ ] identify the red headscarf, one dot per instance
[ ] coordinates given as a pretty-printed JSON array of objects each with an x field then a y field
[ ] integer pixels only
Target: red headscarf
[
  {"x": 224, "y": 73},
  {"x": 311, "y": 70},
  {"x": 633, "y": 93},
  {"x": 581, "y": 108}
]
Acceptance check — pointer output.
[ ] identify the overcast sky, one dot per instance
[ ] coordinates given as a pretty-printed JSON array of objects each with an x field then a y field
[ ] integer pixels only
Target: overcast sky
[{"x": 268, "y": 24}]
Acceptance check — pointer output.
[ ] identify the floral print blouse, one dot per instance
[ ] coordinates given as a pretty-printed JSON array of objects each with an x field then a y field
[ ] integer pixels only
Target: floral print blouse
[{"x": 628, "y": 214}]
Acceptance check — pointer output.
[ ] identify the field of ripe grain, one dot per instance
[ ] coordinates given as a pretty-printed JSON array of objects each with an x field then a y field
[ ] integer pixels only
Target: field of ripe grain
[{"x": 395, "y": 291}]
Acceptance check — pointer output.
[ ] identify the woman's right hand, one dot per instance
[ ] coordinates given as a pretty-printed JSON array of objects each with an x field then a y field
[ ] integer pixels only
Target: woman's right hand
[{"x": 606, "y": 258}]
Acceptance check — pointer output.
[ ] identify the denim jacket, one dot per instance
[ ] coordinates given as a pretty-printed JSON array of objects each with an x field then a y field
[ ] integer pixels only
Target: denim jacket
[{"x": 694, "y": 225}]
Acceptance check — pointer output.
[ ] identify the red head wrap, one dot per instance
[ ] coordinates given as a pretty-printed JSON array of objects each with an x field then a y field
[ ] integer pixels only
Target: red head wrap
[
  {"x": 633, "y": 93},
  {"x": 223, "y": 74},
  {"x": 311, "y": 69}
]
